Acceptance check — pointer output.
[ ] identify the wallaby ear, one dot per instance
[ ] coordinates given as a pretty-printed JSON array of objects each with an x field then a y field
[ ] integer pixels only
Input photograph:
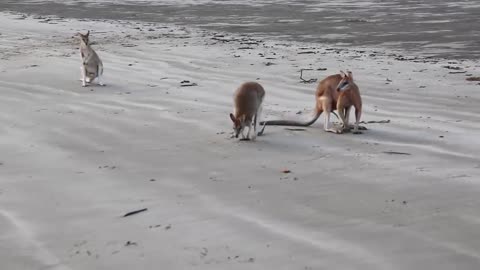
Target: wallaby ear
[
  {"x": 233, "y": 118},
  {"x": 342, "y": 74},
  {"x": 350, "y": 74},
  {"x": 88, "y": 33}
]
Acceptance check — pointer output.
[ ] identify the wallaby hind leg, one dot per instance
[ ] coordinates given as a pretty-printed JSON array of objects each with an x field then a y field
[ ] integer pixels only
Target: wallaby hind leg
[
  {"x": 352, "y": 126},
  {"x": 256, "y": 122},
  {"x": 84, "y": 76},
  {"x": 346, "y": 125},
  {"x": 358, "y": 114},
  {"x": 343, "y": 112},
  {"x": 100, "y": 74},
  {"x": 347, "y": 116},
  {"x": 254, "y": 135},
  {"x": 327, "y": 125},
  {"x": 81, "y": 73},
  {"x": 343, "y": 120},
  {"x": 248, "y": 132}
]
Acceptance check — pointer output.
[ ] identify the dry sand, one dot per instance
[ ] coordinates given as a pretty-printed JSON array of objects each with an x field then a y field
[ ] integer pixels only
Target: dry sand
[{"x": 74, "y": 160}]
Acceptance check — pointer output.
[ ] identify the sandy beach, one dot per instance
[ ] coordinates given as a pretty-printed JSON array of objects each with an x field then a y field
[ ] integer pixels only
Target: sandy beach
[{"x": 74, "y": 160}]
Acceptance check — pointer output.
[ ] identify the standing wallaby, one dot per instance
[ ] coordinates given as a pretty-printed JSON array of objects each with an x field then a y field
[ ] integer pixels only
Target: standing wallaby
[
  {"x": 92, "y": 66},
  {"x": 247, "y": 109},
  {"x": 336, "y": 92},
  {"x": 348, "y": 96}
]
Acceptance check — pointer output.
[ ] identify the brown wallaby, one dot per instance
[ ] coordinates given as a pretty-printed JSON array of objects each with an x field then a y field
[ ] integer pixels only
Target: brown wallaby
[
  {"x": 92, "y": 66},
  {"x": 247, "y": 109},
  {"x": 336, "y": 92}
]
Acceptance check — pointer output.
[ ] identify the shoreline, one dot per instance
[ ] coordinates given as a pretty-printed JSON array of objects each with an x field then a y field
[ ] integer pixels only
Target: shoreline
[
  {"x": 346, "y": 31},
  {"x": 398, "y": 54}
]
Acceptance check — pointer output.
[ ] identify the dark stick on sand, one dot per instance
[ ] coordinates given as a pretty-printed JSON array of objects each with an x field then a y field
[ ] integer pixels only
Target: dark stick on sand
[
  {"x": 135, "y": 212},
  {"x": 303, "y": 80},
  {"x": 397, "y": 153}
]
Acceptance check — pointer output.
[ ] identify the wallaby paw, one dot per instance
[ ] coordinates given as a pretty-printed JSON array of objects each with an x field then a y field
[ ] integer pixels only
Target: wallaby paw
[
  {"x": 244, "y": 139},
  {"x": 357, "y": 132}
]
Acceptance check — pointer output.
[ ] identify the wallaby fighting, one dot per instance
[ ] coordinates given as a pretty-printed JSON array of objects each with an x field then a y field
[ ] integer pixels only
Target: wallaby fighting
[
  {"x": 336, "y": 92},
  {"x": 247, "y": 109},
  {"x": 92, "y": 66}
]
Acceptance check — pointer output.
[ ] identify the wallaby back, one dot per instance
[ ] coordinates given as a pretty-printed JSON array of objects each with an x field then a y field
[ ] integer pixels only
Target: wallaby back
[{"x": 248, "y": 98}]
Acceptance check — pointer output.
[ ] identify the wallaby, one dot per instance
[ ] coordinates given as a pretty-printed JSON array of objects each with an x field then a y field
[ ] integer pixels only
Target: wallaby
[
  {"x": 336, "y": 92},
  {"x": 247, "y": 109},
  {"x": 349, "y": 95},
  {"x": 92, "y": 66}
]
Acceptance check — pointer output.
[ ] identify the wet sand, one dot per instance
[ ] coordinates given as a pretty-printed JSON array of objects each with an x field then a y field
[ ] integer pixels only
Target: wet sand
[{"x": 432, "y": 28}]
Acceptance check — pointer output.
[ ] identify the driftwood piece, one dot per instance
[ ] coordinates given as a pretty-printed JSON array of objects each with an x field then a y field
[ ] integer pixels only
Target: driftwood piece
[
  {"x": 376, "y": 122},
  {"x": 473, "y": 79},
  {"x": 303, "y": 80},
  {"x": 135, "y": 212},
  {"x": 397, "y": 153}
]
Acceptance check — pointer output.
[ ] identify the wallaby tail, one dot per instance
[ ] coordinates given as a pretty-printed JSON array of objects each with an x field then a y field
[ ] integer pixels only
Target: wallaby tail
[
  {"x": 292, "y": 122},
  {"x": 289, "y": 122}
]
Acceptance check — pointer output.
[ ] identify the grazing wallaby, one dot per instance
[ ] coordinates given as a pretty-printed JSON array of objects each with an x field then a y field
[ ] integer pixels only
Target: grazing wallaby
[
  {"x": 247, "y": 109},
  {"x": 92, "y": 66},
  {"x": 336, "y": 92}
]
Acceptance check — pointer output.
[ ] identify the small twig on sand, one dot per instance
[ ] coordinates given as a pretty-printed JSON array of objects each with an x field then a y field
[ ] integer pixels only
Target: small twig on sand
[
  {"x": 135, "y": 212},
  {"x": 190, "y": 84},
  {"x": 296, "y": 129},
  {"x": 473, "y": 79},
  {"x": 396, "y": 153},
  {"x": 376, "y": 122},
  {"x": 185, "y": 83},
  {"x": 452, "y": 67},
  {"x": 303, "y": 80}
]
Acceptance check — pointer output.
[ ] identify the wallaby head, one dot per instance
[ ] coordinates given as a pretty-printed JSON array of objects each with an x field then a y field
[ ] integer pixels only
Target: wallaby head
[
  {"x": 84, "y": 38},
  {"x": 238, "y": 125},
  {"x": 346, "y": 83}
]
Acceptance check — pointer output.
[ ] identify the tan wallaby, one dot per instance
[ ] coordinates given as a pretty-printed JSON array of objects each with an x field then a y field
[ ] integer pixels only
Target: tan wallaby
[
  {"x": 92, "y": 66},
  {"x": 247, "y": 109},
  {"x": 336, "y": 92}
]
